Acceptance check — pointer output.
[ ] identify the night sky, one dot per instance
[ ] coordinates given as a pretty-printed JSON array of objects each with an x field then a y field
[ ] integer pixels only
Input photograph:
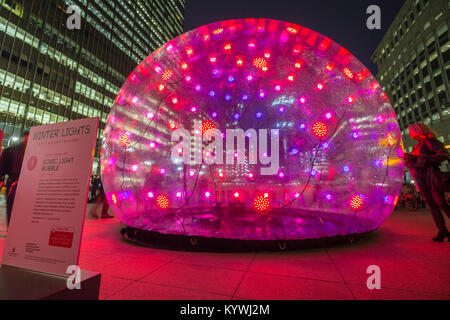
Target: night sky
[{"x": 344, "y": 21}]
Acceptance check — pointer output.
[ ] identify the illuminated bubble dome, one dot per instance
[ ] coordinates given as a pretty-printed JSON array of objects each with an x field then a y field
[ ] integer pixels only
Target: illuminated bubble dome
[{"x": 322, "y": 148}]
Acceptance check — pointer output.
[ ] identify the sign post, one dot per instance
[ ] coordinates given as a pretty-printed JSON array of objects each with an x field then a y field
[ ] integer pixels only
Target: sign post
[{"x": 48, "y": 214}]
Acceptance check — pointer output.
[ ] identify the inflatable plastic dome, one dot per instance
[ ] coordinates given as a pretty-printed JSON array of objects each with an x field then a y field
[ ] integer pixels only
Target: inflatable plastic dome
[{"x": 254, "y": 130}]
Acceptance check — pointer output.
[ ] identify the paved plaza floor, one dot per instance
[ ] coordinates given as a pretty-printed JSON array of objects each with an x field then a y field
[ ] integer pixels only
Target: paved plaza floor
[{"x": 412, "y": 266}]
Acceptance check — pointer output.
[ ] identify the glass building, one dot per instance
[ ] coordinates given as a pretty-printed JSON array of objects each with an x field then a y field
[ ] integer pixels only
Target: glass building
[
  {"x": 50, "y": 73},
  {"x": 413, "y": 62}
]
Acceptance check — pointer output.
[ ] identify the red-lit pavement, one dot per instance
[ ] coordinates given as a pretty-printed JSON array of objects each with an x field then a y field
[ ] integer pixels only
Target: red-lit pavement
[{"x": 412, "y": 267}]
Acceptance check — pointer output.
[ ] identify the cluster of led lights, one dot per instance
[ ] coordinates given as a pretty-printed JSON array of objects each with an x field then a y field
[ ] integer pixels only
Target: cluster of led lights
[{"x": 319, "y": 129}]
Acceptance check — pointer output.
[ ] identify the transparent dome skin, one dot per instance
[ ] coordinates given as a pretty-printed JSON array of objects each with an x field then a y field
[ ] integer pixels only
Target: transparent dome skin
[{"x": 340, "y": 166}]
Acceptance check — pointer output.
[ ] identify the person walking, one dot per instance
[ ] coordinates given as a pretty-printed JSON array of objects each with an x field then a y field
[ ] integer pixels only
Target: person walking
[
  {"x": 10, "y": 165},
  {"x": 101, "y": 200},
  {"x": 423, "y": 164}
]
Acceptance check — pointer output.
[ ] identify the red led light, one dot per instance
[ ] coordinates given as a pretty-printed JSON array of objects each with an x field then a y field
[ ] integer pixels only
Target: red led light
[
  {"x": 267, "y": 55},
  {"x": 348, "y": 73},
  {"x": 239, "y": 62},
  {"x": 260, "y": 63},
  {"x": 350, "y": 99},
  {"x": 227, "y": 47},
  {"x": 161, "y": 87},
  {"x": 162, "y": 202},
  {"x": 221, "y": 175},
  {"x": 218, "y": 31},
  {"x": 167, "y": 75},
  {"x": 189, "y": 51},
  {"x": 391, "y": 141},
  {"x": 184, "y": 66},
  {"x": 297, "y": 49},
  {"x": 329, "y": 67},
  {"x": 114, "y": 199},
  {"x": 396, "y": 200},
  {"x": 360, "y": 76},
  {"x": 291, "y": 78},
  {"x": 236, "y": 194},
  {"x": 262, "y": 203},
  {"x": 356, "y": 202},
  {"x": 124, "y": 139},
  {"x": 213, "y": 59},
  {"x": 175, "y": 100},
  {"x": 320, "y": 86},
  {"x": 320, "y": 129},
  {"x": 172, "y": 125},
  {"x": 298, "y": 65},
  {"x": 292, "y": 30},
  {"x": 207, "y": 125}
]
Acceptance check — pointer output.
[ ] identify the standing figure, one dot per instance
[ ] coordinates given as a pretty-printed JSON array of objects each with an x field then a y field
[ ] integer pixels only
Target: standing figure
[
  {"x": 423, "y": 164},
  {"x": 10, "y": 165},
  {"x": 101, "y": 200}
]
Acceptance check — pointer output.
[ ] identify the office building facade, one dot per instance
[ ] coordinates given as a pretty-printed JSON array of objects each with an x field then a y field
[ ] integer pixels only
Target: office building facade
[
  {"x": 413, "y": 62},
  {"x": 51, "y": 73}
]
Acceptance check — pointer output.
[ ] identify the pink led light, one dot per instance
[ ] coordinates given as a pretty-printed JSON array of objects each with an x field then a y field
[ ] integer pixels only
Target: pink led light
[
  {"x": 320, "y": 86},
  {"x": 207, "y": 194},
  {"x": 150, "y": 194},
  {"x": 302, "y": 100},
  {"x": 152, "y": 145},
  {"x": 150, "y": 115},
  {"x": 277, "y": 87},
  {"x": 381, "y": 118},
  {"x": 249, "y": 78},
  {"x": 350, "y": 99},
  {"x": 267, "y": 55},
  {"x": 179, "y": 194},
  {"x": 251, "y": 45},
  {"x": 135, "y": 100},
  {"x": 213, "y": 59},
  {"x": 194, "y": 109},
  {"x": 134, "y": 167},
  {"x": 162, "y": 171}
]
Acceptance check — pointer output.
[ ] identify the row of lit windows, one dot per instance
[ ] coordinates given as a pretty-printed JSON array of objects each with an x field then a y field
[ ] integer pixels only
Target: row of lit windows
[
  {"x": 45, "y": 94},
  {"x": 54, "y": 54},
  {"x": 393, "y": 42}
]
